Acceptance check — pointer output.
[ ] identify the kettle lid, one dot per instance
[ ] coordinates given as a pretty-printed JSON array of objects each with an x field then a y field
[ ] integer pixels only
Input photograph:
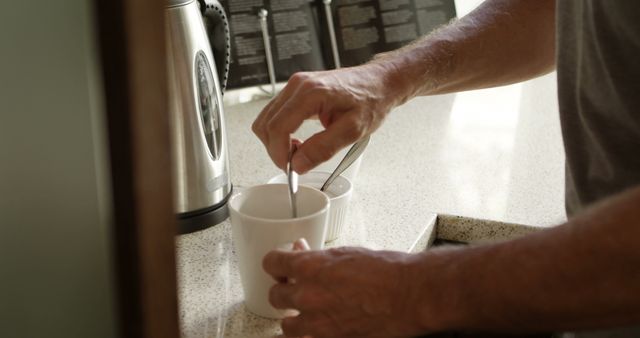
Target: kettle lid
[{"x": 175, "y": 3}]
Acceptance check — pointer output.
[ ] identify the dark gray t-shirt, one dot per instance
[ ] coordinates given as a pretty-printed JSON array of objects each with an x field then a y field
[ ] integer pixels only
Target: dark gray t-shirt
[
  {"x": 598, "y": 67},
  {"x": 599, "y": 94}
]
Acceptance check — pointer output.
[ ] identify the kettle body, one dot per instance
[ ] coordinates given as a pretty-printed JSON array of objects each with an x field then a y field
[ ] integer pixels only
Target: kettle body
[{"x": 201, "y": 181}]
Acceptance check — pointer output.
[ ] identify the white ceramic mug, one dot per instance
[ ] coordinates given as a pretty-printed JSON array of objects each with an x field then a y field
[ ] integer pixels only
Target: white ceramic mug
[
  {"x": 339, "y": 193},
  {"x": 261, "y": 221}
]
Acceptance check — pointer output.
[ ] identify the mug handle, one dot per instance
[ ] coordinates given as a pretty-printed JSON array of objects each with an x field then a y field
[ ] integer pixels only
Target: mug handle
[{"x": 300, "y": 244}]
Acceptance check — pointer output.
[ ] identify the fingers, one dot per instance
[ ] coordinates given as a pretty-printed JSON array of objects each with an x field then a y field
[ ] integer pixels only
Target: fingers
[
  {"x": 285, "y": 122},
  {"x": 300, "y": 296},
  {"x": 265, "y": 114},
  {"x": 306, "y": 95},
  {"x": 274, "y": 106},
  {"x": 279, "y": 264},
  {"x": 264, "y": 128},
  {"x": 287, "y": 265},
  {"x": 314, "y": 325},
  {"x": 283, "y": 296},
  {"x": 293, "y": 326},
  {"x": 323, "y": 145}
]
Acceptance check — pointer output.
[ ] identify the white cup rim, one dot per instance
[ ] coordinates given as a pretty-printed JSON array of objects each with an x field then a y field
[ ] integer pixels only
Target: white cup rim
[
  {"x": 280, "y": 220},
  {"x": 344, "y": 180}
]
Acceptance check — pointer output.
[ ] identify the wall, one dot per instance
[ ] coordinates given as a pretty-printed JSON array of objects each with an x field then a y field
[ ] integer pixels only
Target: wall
[{"x": 55, "y": 273}]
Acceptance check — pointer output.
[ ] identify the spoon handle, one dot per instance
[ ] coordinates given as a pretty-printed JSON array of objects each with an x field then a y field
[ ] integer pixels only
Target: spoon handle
[
  {"x": 353, "y": 154},
  {"x": 292, "y": 180}
]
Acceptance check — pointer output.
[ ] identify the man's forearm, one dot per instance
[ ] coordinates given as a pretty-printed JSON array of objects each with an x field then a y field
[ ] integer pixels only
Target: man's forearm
[
  {"x": 501, "y": 42},
  {"x": 583, "y": 274}
]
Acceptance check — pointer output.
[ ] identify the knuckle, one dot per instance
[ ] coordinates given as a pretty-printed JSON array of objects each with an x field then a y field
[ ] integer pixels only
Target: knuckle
[
  {"x": 353, "y": 134},
  {"x": 319, "y": 87},
  {"x": 305, "y": 265},
  {"x": 357, "y": 129},
  {"x": 311, "y": 85},
  {"x": 308, "y": 298},
  {"x": 256, "y": 128},
  {"x": 301, "y": 264},
  {"x": 308, "y": 83},
  {"x": 341, "y": 251},
  {"x": 335, "y": 254},
  {"x": 298, "y": 78}
]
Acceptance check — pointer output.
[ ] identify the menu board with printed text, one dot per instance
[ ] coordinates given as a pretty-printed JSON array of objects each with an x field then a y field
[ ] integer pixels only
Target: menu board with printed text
[
  {"x": 299, "y": 36},
  {"x": 367, "y": 27}
]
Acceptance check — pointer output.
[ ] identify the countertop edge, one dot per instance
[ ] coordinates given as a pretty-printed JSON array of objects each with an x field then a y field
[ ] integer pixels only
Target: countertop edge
[
  {"x": 426, "y": 236},
  {"x": 472, "y": 230}
]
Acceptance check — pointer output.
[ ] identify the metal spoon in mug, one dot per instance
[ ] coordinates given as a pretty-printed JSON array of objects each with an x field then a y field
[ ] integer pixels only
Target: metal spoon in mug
[
  {"x": 352, "y": 155},
  {"x": 292, "y": 179}
]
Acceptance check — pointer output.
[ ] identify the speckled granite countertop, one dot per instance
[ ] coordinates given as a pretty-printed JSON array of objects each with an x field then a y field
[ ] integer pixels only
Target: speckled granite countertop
[{"x": 488, "y": 163}]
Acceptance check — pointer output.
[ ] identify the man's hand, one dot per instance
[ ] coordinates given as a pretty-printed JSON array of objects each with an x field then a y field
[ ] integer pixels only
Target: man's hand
[
  {"x": 351, "y": 103},
  {"x": 344, "y": 292},
  {"x": 501, "y": 42}
]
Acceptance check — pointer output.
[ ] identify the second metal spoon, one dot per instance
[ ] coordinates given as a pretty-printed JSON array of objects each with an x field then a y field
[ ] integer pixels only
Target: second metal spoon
[{"x": 352, "y": 155}]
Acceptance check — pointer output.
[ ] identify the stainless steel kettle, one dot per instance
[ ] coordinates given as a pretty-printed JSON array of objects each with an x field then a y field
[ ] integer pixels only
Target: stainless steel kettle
[{"x": 199, "y": 142}]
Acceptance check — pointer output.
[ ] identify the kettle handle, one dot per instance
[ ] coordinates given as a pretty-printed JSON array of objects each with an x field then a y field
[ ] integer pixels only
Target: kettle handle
[{"x": 217, "y": 27}]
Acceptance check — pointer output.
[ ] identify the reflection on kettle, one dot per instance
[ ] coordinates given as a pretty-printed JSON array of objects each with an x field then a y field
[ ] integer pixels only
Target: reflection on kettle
[{"x": 201, "y": 180}]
